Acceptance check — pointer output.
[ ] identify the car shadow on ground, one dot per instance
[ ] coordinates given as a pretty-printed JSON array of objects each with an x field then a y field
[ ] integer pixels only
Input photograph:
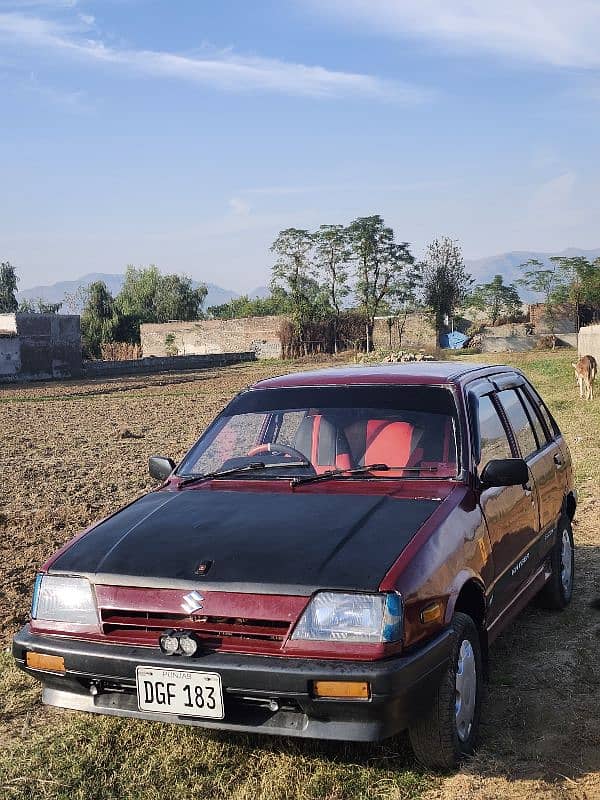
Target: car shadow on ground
[
  {"x": 541, "y": 716},
  {"x": 541, "y": 711}
]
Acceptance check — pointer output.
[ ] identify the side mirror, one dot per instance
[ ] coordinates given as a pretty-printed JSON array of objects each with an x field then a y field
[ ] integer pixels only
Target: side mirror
[
  {"x": 505, "y": 472},
  {"x": 160, "y": 467}
]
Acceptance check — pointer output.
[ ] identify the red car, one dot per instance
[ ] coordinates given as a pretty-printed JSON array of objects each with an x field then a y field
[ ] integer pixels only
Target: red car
[{"x": 332, "y": 559}]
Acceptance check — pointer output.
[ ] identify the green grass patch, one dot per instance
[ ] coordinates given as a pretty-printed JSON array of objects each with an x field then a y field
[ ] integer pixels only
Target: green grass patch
[{"x": 60, "y": 754}]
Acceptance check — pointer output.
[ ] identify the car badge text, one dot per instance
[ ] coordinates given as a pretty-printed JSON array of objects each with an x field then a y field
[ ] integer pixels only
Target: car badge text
[{"x": 192, "y": 602}]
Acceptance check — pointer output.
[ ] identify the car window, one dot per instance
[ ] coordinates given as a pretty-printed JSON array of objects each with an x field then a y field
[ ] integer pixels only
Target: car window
[
  {"x": 534, "y": 417},
  {"x": 519, "y": 422},
  {"x": 413, "y": 430},
  {"x": 493, "y": 439},
  {"x": 550, "y": 424}
]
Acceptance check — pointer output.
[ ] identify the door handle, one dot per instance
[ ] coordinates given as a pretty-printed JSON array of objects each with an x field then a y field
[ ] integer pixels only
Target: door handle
[{"x": 558, "y": 461}]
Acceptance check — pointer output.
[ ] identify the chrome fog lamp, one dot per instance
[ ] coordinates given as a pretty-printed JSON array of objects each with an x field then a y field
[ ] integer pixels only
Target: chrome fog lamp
[
  {"x": 169, "y": 643},
  {"x": 187, "y": 644}
]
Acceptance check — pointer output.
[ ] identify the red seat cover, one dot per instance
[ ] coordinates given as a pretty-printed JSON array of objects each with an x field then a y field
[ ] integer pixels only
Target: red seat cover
[{"x": 388, "y": 442}]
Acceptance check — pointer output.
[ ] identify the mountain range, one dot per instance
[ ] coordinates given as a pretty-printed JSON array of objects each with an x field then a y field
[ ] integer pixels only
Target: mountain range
[
  {"x": 482, "y": 269},
  {"x": 55, "y": 292}
]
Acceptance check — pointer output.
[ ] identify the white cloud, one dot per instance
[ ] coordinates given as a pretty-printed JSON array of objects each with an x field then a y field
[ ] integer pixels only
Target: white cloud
[
  {"x": 555, "y": 32},
  {"x": 239, "y": 207},
  {"x": 221, "y": 69}
]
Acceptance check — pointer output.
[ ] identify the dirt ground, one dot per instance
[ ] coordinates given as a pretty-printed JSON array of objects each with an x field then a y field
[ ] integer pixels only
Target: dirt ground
[{"x": 65, "y": 462}]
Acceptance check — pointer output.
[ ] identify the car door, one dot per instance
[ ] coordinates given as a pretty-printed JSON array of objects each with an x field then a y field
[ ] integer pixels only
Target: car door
[{"x": 510, "y": 512}]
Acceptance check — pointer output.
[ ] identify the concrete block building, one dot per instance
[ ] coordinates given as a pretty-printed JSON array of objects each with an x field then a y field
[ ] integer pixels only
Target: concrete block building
[{"x": 39, "y": 346}]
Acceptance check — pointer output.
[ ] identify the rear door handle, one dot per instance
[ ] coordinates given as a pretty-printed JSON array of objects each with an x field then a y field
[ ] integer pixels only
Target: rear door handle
[{"x": 558, "y": 461}]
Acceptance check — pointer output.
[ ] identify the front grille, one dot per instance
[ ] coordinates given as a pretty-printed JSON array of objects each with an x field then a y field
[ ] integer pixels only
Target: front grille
[{"x": 214, "y": 633}]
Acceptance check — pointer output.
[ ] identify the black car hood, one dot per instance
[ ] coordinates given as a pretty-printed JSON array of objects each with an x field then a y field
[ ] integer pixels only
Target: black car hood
[{"x": 270, "y": 542}]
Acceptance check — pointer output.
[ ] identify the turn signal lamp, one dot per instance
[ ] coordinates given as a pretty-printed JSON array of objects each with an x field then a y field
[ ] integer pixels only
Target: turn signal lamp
[
  {"x": 45, "y": 662},
  {"x": 346, "y": 690},
  {"x": 431, "y": 613}
]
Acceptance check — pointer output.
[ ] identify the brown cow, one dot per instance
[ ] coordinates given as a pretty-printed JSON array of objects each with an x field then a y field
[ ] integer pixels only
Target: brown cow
[{"x": 585, "y": 374}]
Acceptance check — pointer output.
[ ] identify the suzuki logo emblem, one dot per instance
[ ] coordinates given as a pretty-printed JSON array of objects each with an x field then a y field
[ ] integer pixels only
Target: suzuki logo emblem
[{"x": 192, "y": 602}]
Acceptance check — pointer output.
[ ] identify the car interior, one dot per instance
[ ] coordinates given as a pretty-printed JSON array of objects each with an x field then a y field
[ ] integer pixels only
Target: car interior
[{"x": 343, "y": 441}]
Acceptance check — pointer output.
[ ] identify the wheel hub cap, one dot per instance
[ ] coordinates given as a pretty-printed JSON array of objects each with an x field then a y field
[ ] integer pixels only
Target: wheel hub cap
[
  {"x": 566, "y": 562},
  {"x": 466, "y": 690}
]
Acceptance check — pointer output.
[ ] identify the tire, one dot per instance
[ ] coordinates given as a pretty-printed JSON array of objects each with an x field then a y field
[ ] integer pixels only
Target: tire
[
  {"x": 558, "y": 591},
  {"x": 444, "y": 735}
]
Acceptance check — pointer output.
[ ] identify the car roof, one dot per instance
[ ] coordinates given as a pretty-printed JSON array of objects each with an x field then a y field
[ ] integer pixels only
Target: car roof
[{"x": 414, "y": 372}]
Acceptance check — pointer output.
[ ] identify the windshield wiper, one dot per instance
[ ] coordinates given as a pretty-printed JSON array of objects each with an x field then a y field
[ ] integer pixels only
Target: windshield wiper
[
  {"x": 252, "y": 467},
  {"x": 336, "y": 473},
  {"x": 345, "y": 473}
]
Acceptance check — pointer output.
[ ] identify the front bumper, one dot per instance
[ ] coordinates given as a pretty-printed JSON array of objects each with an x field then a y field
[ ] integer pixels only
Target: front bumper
[{"x": 401, "y": 688}]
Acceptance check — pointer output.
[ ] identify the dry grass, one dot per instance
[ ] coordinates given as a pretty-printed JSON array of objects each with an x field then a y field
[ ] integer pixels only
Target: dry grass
[{"x": 65, "y": 464}]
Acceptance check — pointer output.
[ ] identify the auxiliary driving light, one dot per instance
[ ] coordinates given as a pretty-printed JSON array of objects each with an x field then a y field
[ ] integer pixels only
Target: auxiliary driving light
[
  {"x": 177, "y": 643},
  {"x": 187, "y": 644},
  {"x": 169, "y": 643}
]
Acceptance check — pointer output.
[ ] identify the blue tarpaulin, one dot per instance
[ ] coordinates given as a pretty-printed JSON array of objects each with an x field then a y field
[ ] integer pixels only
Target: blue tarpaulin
[{"x": 453, "y": 341}]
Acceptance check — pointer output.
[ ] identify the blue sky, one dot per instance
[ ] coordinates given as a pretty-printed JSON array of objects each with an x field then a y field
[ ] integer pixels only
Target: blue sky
[{"x": 187, "y": 133}]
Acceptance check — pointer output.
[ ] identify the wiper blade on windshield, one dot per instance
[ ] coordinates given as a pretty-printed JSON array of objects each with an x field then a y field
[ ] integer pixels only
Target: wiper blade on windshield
[
  {"x": 336, "y": 473},
  {"x": 344, "y": 473},
  {"x": 252, "y": 467}
]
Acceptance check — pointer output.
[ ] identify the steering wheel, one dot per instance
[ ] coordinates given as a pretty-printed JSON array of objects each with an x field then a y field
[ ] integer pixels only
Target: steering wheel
[{"x": 279, "y": 449}]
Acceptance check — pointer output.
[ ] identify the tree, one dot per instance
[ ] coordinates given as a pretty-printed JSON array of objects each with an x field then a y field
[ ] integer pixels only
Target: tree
[
  {"x": 136, "y": 299},
  {"x": 332, "y": 255},
  {"x": 545, "y": 281},
  {"x": 497, "y": 298},
  {"x": 148, "y": 296},
  {"x": 76, "y": 300},
  {"x": 406, "y": 300},
  {"x": 445, "y": 279},
  {"x": 39, "y": 306},
  {"x": 580, "y": 284},
  {"x": 8, "y": 288},
  {"x": 380, "y": 263},
  {"x": 176, "y": 298},
  {"x": 293, "y": 274},
  {"x": 99, "y": 319},
  {"x": 276, "y": 303}
]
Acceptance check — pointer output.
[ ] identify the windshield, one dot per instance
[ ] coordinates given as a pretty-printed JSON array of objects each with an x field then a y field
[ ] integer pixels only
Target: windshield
[{"x": 313, "y": 430}]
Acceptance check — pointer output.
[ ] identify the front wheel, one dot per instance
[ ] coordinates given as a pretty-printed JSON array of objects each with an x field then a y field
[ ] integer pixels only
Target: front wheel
[
  {"x": 447, "y": 731},
  {"x": 558, "y": 590}
]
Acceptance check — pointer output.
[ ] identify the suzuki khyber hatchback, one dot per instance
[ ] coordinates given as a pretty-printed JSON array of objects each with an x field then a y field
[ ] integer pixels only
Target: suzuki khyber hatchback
[{"x": 332, "y": 559}]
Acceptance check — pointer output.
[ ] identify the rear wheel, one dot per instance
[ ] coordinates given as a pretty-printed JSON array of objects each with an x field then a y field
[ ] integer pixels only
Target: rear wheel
[
  {"x": 558, "y": 590},
  {"x": 447, "y": 731}
]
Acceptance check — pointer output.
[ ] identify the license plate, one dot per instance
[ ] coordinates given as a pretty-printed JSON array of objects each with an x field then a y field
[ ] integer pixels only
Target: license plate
[{"x": 177, "y": 691}]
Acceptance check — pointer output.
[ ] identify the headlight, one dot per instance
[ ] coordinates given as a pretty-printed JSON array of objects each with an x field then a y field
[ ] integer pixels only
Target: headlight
[
  {"x": 333, "y": 616},
  {"x": 60, "y": 599}
]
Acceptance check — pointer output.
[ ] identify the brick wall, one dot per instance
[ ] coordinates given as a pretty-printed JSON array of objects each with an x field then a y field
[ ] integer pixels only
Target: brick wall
[
  {"x": 418, "y": 333},
  {"x": 564, "y": 319},
  {"x": 257, "y": 334},
  {"x": 146, "y": 366}
]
